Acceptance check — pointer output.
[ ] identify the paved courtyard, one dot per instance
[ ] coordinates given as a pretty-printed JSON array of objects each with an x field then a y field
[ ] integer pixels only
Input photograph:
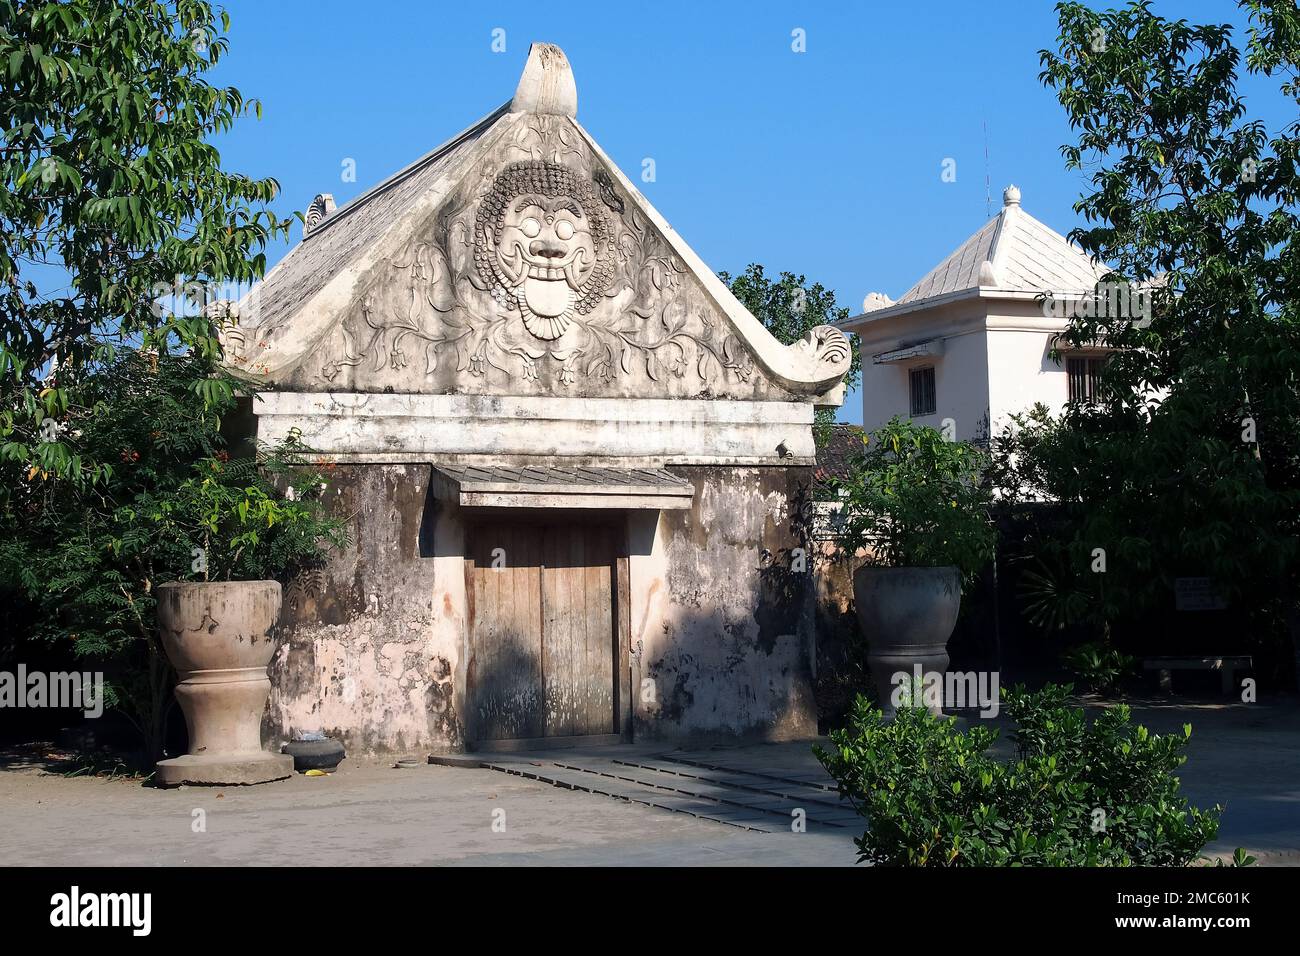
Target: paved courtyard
[
  {"x": 636, "y": 806},
  {"x": 369, "y": 813}
]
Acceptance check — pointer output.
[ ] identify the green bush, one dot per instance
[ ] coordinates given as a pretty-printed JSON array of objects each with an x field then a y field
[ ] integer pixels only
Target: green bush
[
  {"x": 1077, "y": 793},
  {"x": 915, "y": 499},
  {"x": 1099, "y": 666}
]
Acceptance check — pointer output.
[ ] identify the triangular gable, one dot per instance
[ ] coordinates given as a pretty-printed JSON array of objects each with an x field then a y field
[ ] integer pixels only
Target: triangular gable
[{"x": 517, "y": 260}]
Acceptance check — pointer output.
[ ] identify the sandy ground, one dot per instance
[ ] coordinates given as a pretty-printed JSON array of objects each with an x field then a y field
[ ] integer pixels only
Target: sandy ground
[{"x": 1246, "y": 757}]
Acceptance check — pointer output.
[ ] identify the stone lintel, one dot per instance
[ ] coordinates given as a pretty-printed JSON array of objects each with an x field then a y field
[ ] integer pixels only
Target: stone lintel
[{"x": 476, "y": 429}]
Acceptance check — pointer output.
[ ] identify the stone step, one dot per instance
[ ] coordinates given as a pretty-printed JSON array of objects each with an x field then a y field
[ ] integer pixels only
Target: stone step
[
  {"x": 776, "y": 804},
  {"x": 792, "y": 790},
  {"x": 575, "y": 779},
  {"x": 764, "y": 802}
]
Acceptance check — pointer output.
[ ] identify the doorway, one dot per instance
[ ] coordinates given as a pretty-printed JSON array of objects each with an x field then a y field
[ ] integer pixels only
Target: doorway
[{"x": 546, "y": 663}]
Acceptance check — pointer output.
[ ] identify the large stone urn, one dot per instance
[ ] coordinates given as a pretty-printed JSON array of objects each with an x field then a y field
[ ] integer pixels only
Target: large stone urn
[
  {"x": 218, "y": 637},
  {"x": 907, "y": 616}
]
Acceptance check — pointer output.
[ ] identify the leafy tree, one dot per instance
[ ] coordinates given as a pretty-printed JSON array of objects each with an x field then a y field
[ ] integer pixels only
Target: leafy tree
[
  {"x": 1037, "y": 457},
  {"x": 790, "y": 308},
  {"x": 1190, "y": 462},
  {"x": 87, "y": 558},
  {"x": 112, "y": 195}
]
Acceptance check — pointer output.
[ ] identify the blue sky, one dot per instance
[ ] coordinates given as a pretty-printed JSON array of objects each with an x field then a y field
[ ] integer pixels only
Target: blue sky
[{"x": 826, "y": 163}]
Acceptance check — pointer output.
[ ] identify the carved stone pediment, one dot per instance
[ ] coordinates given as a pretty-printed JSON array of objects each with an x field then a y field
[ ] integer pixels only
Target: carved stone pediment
[{"x": 538, "y": 270}]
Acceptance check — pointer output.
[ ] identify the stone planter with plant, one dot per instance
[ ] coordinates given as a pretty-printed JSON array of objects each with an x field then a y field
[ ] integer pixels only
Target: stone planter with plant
[
  {"x": 85, "y": 561},
  {"x": 248, "y": 524},
  {"x": 916, "y": 514}
]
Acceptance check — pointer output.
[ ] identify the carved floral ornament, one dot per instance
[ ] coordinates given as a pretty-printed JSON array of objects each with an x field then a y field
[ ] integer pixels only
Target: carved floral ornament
[{"x": 546, "y": 272}]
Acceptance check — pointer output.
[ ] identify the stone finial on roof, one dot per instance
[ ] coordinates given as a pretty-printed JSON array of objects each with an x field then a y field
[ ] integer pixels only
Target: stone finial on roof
[
  {"x": 317, "y": 212},
  {"x": 988, "y": 277},
  {"x": 546, "y": 85},
  {"x": 1011, "y": 195},
  {"x": 876, "y": 300}
]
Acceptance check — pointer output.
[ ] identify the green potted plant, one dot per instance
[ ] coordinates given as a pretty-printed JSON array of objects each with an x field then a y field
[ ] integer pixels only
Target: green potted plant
[{"x": 915, "y": 512}]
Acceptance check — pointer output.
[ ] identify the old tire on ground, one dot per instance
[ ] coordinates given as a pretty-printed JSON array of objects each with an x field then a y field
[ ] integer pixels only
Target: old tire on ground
[{"x": 314, "y": 754}]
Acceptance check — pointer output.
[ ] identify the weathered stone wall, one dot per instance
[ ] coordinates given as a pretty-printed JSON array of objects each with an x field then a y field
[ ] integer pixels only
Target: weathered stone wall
[
  {"x": 722, "y": 616},
  {"x": 369, "y": 649},
  {"x": 841, "y": 671}
]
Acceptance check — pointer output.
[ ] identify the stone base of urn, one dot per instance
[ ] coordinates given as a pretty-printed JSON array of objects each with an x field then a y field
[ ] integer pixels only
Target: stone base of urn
[
  {"x": 217, "y": 635},
  {"x": 224, "y": 770},
  {"x": 907, "y": 616}
]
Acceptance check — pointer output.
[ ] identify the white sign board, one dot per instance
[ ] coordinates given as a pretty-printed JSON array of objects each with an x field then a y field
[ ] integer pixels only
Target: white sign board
[{"x": 1197, "y": 594}]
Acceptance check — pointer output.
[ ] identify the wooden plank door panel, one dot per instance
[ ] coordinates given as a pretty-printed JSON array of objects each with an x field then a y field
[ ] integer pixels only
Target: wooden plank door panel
[
  {"x": 597, "y": 685},
  {"x": 505, "y": 669},
  {"x": 559, "y": 661},
  {"x": 578, "y": 645},
  {"x": 544, "y": 647}
]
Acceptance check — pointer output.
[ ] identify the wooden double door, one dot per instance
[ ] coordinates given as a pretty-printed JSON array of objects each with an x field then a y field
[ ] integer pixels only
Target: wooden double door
[{"x": 545, "y": 659}]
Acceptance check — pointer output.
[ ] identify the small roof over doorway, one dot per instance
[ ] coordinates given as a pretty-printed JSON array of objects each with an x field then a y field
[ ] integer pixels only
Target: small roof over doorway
[{"x": 475, "y": 486}]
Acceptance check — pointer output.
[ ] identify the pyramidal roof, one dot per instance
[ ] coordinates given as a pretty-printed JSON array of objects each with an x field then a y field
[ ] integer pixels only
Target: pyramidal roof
[
  {"x": 1011, "y": 253},
  {"x": 515, "y": 258}
]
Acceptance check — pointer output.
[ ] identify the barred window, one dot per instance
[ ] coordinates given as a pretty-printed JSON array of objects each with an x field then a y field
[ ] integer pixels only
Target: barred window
[
  {"x": 1085, "y": 378},
  {"x": 923, "y": 399}
]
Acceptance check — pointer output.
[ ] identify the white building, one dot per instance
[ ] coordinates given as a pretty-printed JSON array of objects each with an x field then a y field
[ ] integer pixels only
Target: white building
[{"x": 971, "y": 342}]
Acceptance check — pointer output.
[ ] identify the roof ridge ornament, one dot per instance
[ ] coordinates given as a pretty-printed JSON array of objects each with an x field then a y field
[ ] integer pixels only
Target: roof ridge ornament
[
  {"x": 320, "y": 209},
  {"x": 875, "y": 301},
  {"x": 988, "y": 278},
  {"x": 546, "y": 85},
  {"x": 1011, "y": 196}
]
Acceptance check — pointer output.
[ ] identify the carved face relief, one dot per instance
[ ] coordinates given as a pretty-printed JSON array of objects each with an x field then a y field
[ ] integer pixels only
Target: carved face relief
[{"x": 543, "y": 244}]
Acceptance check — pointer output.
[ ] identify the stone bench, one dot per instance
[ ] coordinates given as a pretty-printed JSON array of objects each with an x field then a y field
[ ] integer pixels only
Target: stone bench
[{"x": 1226, "y": 665}]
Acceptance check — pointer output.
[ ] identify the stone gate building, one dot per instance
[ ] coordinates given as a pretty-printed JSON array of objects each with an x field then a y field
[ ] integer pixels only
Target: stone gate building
[{"x": 572, "y": 462}]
